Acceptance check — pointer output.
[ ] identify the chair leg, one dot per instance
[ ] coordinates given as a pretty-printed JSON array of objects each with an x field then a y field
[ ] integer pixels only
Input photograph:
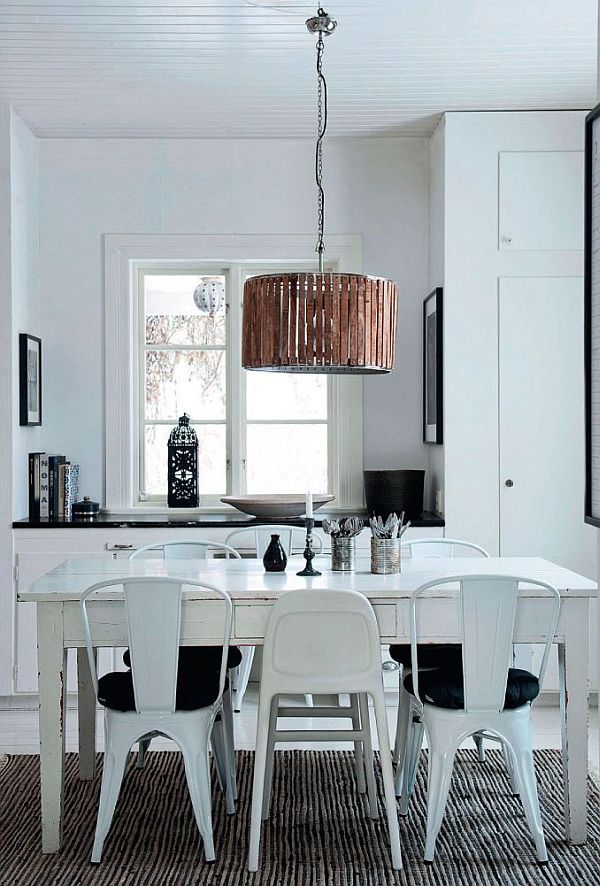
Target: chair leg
[
  {"x": 229, "y": 734},
  {"x": 400, "y": 722},
  {"x": 143, "y": 748},
  {"x": 478, "y": 739},
  {"x": 438, "y": 785},
  {"x": 508, "y": 761},
  {"x": 359, "y": 760},
  {"x": 221, "y": 752},
  {"x": 260, "y": 759},
  {"x": 387, "y": 773},
  {"x": 243, "y": 676},
  {"x": 115, "y": 760},
  {"x": 403, "y": 723},
  {"x": 525, "y": 774},
  {"x": 198, "y": 780},
  {"x": 270, "y": 758},
  {"x": 411, "y": 759},
  {"x": 363, "y": 701}
]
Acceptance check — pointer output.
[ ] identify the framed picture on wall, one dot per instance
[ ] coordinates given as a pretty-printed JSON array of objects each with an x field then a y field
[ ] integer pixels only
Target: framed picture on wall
[
  {"x": 592, "y": 316},
  {"x": 30, "y": 380},
  {"x": 432, "y": 367}
]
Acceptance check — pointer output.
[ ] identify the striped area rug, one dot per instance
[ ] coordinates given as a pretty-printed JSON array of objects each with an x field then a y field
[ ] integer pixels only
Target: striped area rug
[{"x": 319, "y": 833}]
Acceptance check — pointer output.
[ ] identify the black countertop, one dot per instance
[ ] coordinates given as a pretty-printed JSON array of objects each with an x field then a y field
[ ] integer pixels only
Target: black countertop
[{"x": 235, "y": 519}]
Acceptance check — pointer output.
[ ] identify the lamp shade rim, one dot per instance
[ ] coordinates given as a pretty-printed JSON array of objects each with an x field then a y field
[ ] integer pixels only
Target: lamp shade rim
[{"x": 320, "y": 274}]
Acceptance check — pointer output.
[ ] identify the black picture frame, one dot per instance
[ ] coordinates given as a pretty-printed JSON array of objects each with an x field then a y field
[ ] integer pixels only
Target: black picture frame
[
  {"x": 433, "y": 357},
  {"x": 30, "y": 380},
  {"x": 591, "y": 296}
]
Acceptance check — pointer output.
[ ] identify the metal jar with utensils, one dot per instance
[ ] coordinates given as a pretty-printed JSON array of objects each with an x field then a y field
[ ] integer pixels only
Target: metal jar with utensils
[
  {"x": 343, "y": 546},
  {"x": 343, "y": 553},
  {"x": 385, "y": 556}
]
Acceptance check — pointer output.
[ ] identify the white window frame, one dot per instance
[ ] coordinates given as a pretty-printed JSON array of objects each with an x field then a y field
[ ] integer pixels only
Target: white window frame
[{"x": 125, "y": 254}]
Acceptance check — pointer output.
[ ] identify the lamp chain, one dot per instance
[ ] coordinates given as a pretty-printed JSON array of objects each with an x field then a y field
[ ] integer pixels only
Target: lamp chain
[{"x": 321, "y": 129}]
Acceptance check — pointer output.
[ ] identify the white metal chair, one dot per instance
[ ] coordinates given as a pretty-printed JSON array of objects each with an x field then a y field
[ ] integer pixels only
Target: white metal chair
[
  {"x": 322, "y": 642},
  {"x": 442, "y": 547},
  {"x": 292, "y": 540},
  {"x": 153, "y": 698},
  {"x": 198, "y": 549},
  {"x": 488, "y": 696},
  {"x": 434, "y": 656}
]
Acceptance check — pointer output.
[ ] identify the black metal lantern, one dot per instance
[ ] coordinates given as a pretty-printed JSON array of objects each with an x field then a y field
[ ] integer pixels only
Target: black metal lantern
[{"x": 183, "y": 465}]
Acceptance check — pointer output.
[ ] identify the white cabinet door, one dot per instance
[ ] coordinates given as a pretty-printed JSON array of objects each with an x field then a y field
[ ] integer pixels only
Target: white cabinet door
[
  {"x": 541, "y": 422},
  {"x": 541, "y": 425}
]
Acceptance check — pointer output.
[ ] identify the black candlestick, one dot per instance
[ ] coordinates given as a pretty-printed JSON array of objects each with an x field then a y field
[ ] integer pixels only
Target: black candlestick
[{"x": 309, "y": 554}]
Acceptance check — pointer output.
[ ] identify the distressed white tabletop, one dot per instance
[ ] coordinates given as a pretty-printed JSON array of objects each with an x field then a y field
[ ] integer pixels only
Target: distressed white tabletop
[{"x": 246, "y": 579}]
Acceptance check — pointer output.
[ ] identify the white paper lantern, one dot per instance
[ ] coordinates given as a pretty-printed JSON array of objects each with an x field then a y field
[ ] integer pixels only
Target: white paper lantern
[{"x": 209, "y": 295}]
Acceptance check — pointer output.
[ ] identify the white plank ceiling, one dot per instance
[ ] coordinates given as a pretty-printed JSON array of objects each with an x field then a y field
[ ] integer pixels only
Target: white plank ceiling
[{"x": 238, "y": 68}]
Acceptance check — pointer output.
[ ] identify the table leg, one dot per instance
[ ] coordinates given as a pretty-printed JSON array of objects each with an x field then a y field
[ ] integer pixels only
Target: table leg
[
  {"x": 52, "y": 666},
  {"x": 573, "y": 660},
  {"x": 86, "y": 712}
]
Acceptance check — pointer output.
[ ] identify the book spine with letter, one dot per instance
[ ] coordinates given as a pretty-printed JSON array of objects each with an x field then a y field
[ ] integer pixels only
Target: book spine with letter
[
  {"x": 44, "y": 487},
  {"x": 34, "y": 485},
  {"x": 53, "y": 462},
  {"x": 60, "y": 494}
]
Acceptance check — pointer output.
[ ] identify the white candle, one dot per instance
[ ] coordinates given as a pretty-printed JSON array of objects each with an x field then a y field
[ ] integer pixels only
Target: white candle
[{"x": 309, "y": 505}]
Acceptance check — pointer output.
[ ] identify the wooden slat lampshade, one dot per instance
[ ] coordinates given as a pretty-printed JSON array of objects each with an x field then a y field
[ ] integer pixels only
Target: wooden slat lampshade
[{"x": 319, "y": 322}]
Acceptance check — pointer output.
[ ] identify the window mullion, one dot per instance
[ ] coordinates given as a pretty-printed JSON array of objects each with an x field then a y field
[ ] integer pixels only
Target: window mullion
[{"x": 236, "y": 429}]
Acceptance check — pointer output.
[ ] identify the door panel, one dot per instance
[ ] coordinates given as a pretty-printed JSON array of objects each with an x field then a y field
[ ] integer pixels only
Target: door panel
[{"x": 542, "y": 422}]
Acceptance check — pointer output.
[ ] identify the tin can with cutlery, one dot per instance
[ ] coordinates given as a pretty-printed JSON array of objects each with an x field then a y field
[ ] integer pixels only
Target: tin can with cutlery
[
  {"x": 385, "y": 556},
  {"x": 343, "y": 553}
]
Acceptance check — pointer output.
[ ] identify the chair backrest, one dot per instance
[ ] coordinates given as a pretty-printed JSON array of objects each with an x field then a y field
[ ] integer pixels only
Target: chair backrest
[
  {"x": 485, "y": 611},
  {"x": 153, "y": 611},
  {"x": 443, "y": 547},
  {"x": 196, "y": 549},
  {"x": 292, "y": 538},
  {"x": 321, "y": 641}
]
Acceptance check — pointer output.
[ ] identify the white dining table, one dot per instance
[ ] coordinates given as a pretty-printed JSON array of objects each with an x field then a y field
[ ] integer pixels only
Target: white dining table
[{"x": 59, "y": 627}]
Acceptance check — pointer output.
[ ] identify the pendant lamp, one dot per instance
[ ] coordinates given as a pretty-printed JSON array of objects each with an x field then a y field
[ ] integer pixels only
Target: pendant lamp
[{"x": 319, "y": 321}]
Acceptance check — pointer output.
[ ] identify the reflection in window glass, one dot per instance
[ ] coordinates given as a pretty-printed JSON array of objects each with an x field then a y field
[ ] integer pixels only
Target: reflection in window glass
[
  {"x": 274, "y": 395},
  {"x": 185, "y": 381},
  {"x": 286, "y": 458}
]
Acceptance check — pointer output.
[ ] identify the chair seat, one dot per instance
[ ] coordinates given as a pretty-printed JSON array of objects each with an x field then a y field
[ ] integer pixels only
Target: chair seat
[
  {"x": 444, "y": 689},
  {"x": 447, "y": 655},
  {"x": 195, "y": 689},
  {"x": 201, "y": 657}
]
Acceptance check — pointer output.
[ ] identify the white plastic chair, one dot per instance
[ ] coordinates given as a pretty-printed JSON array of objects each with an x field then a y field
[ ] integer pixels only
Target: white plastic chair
[
  {"x": 324, "y": 641},
  {"x": 198, "y": 549},
  {"x": 408, "y": 705},
  {"x": 485, "y": 610},
  {"x": 292, "y": 538},
  {"x": 153, "y": 611}
]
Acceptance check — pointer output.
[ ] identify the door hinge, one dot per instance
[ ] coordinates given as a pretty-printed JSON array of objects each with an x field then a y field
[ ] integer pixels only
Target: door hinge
[{"x": 16, "y": 572}]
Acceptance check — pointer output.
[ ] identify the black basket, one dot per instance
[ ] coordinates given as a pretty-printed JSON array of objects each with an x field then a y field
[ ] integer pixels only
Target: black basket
[{"x": 389, "y": 491}]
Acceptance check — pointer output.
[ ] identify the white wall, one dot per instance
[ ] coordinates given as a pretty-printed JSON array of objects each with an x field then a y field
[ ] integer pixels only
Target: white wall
[
  {"x": 88, "y": 187},
  {"x": 24, "y": 202}
]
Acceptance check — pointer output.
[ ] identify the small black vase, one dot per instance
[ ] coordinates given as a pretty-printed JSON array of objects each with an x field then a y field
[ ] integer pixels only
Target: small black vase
[{"x": 275, "y": 559}]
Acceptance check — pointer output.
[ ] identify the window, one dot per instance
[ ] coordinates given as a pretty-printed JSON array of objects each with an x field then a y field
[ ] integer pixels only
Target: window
[
  {"x": 258, "y": 432},
  {"x": 282, "y": 421}
]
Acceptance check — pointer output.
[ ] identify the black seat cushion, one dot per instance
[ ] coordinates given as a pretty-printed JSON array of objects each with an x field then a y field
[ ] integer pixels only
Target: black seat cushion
[
  {"x": 448, "y": 655},
  {"x": 195, "y": 689},
  {"x": 445, "y": 689},
  {"x": 201, "y": 656}
]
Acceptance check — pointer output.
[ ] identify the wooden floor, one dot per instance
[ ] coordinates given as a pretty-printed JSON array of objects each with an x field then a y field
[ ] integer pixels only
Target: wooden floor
[{"x": 19, "y": 729}]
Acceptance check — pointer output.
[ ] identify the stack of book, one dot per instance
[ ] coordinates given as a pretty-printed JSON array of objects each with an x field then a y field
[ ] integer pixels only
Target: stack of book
[{"x": 53, "y": 486}]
